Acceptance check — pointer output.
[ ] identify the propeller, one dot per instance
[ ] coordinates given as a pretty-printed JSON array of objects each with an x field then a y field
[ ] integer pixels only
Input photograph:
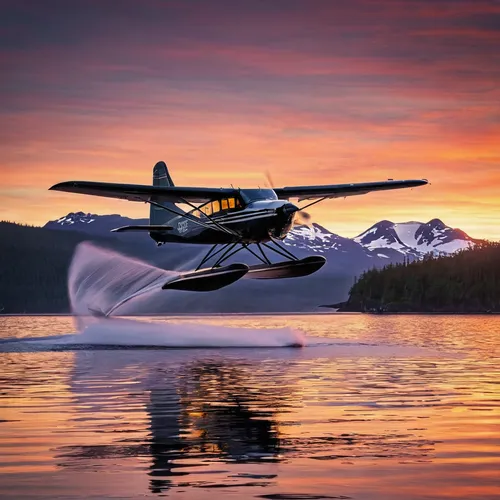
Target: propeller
[{"x": 302, "y": 218}]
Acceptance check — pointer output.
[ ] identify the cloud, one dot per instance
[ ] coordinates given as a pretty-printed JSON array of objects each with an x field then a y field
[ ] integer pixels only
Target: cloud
[{"x": 223, "y": 90}]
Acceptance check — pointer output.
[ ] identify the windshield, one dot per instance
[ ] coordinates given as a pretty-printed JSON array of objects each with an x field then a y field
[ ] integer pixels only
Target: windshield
[{"x": 250, "y": 195}]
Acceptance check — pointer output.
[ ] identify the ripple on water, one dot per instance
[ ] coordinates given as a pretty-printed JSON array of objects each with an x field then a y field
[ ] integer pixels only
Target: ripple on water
[{"x": 372, "y": 413}]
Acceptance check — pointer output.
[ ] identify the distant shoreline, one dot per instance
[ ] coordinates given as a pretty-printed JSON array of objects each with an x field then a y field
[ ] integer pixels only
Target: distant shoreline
[
  {"x": 152, "y": 315},
  {"x": 237, "y": 314}
]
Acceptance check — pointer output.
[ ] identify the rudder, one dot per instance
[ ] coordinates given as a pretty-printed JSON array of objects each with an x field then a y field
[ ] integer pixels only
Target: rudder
[{"x": 161, "y": 178}]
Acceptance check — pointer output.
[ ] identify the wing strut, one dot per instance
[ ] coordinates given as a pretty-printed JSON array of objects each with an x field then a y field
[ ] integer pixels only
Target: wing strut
[
  {"x": 313, "y": 203},
  {"x": 192, "y": 219},
  {"x": 220, "y": 226}
]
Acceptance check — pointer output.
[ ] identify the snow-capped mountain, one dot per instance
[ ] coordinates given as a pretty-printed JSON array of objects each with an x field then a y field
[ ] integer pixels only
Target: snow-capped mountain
[
  {"x": 318, "y": 239},
  {"x": 92, "y": 223},
  {"x": 414, "y": 238},
  {"x": 385, "y": 241},
  {"x": 78, "y": 218}
]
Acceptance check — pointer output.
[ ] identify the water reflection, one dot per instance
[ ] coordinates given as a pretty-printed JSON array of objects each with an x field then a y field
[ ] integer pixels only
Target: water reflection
[
  {"x": 365, "y": 420},
  {"x": 210, "y": 411},
  {"x": 230, "y": 413},
  {"x": 165, "y": 443},
  {"x": 188, "y": 417},
  {"x": 199, "y": 412}
]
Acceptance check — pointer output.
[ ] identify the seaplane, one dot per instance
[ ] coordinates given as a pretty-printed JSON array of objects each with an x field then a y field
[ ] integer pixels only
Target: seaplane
[{"x": 230, "y": 220}]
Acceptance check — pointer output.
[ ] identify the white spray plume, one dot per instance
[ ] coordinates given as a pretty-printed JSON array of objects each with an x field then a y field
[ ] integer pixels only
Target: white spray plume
[{"x": 105, "y": 282}]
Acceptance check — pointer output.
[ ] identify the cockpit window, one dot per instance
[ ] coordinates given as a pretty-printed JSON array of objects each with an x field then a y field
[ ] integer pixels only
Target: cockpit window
[
  {"x": 217, "y": 206},
  {"x": 250, "y": 195}
]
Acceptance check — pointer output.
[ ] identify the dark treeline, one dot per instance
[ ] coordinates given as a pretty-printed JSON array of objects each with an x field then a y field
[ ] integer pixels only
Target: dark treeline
[
  {"x": 33, "y": 268},
  {"x": 34, "y": 264},
  {"x": 468, "y": 281}
]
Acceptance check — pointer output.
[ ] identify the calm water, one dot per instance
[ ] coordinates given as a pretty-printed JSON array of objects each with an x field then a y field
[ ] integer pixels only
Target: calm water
[{"x": 380, "y": 407}]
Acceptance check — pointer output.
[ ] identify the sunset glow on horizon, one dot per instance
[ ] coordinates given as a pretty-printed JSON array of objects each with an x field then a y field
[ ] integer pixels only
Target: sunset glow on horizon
[{"x": 314, "y": 92}]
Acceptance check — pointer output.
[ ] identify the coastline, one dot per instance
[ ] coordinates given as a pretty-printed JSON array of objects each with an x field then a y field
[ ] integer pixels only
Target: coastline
[{"x": 236, "y": 314}]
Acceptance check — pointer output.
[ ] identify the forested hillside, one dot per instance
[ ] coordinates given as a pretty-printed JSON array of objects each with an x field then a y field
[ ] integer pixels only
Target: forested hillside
[
  {"x": 34, "y": 265},
  {"x": 468, "y": 281},
  {"x": 31, "y": 259}
]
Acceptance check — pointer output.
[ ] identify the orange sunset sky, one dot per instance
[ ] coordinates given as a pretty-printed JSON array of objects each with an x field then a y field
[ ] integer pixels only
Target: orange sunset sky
[{"x": 311, "y": 91}]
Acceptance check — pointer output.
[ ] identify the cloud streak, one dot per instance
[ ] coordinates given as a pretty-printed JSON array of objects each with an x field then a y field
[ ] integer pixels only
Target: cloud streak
[{"x": 312, "y": 91}]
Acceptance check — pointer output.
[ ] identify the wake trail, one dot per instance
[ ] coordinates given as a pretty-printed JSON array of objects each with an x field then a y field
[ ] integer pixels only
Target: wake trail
[
  {"x": 192, "y": 338},
  {"x": 120, "y": 332},
  {"x": 105, "y": 281},
  {"x": 102, "y": 282}
]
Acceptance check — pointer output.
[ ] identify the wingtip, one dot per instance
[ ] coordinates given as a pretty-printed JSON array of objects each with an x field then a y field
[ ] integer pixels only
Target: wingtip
[
  {"x": 61, "y": 185},
  {"x": 417, "y": 182}
]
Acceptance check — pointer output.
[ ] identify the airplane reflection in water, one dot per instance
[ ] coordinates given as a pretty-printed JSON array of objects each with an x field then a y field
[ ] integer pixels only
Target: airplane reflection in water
[
  {"x": 208, "y": 410},
  {"x": 359, "y": 420},
  {"x": 201, "y": 412},
  {"x": 215, "y": 413}
]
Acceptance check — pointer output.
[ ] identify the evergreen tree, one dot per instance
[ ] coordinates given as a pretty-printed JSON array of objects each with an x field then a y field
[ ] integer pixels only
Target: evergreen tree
[{"x": 468, "y": 281}]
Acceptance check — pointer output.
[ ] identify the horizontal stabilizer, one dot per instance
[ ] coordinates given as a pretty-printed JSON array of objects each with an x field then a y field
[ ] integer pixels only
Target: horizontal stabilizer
[{"x": 142, "y": 228}]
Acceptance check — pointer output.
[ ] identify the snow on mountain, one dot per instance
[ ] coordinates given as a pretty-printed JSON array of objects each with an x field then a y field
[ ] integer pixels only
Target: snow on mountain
[
  {"x": 436, "y": 236},
  {"x": 78, "y": 217},
  {"x": 318, "y": 239},
  {"x": 381, "y": 235},
  {"x": 384, "y": 240},
  {"x": 414, "y": 239},
  {"x": 92, "y": 223}
]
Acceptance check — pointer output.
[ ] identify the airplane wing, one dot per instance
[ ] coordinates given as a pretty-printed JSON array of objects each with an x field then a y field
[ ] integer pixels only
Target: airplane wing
[
  {"x": 139, "y": 192},
  {"x": 341, "y": 190}
]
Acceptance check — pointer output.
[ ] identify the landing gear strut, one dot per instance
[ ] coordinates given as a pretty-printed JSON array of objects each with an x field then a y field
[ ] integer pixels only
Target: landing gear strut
[{"x": 292, "y": 267}]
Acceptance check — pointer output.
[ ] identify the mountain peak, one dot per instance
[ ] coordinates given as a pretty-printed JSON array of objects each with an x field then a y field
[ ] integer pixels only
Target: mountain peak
[
  {"x": 437, "y": 223},
  {"x": 384, "y": 240},
  {"x": 90, "y": 223},
  {"x": 383, "y": 224},
  {"x": 381, "y": 235},
  {"x": 321, "y": 228},
  {"x": 414, "y": 238}
]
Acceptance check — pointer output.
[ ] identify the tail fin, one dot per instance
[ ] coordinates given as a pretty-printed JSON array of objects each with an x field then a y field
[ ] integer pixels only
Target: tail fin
[{"x": 161, "y": 178}]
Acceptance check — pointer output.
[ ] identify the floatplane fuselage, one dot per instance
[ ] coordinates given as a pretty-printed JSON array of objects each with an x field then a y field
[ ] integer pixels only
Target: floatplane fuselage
[{"x": 228, "y": 219}]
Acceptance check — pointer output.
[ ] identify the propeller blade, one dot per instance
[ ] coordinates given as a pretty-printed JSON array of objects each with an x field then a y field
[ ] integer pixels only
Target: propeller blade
[
  {"x": 303, "y": 218},
  {"x": 269, "y": 179}
]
